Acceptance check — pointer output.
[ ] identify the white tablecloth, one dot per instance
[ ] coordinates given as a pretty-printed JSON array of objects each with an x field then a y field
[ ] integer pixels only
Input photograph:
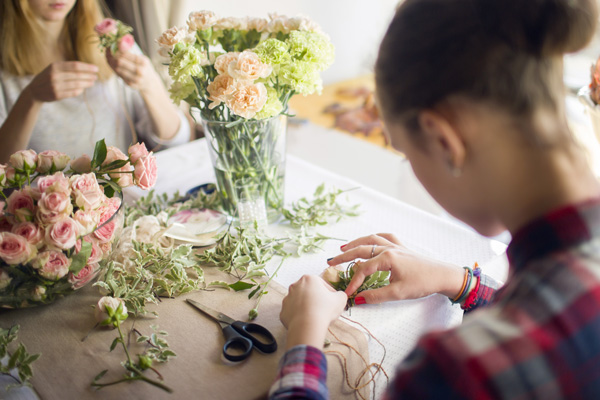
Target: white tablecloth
[{"x": 398, "y": 324}]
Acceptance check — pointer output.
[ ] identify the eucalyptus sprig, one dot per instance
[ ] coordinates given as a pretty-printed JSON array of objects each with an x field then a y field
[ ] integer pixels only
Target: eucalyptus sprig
[
  {"x": 154, "y": 272},
  {"x": 321, "y": 210},
  {"x": 19, "y": 359}
]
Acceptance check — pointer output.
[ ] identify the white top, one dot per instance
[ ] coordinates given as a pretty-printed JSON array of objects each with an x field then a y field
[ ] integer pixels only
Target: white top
[{"x": 75, "y": 124}]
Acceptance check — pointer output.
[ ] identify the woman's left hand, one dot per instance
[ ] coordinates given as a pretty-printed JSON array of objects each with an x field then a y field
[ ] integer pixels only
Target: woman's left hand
[{"x": 135, "y": 69}]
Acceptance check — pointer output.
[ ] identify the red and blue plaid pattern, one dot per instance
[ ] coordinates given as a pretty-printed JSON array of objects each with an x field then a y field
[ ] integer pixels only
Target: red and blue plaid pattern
[
  {"x": 302, "y": 375},
  {"x": 539, "y": 336}
]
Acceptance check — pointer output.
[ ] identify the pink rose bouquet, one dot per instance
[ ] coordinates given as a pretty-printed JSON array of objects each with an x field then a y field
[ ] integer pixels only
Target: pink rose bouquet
[
  {"x": 114, "y": 35},
  {"x": 59, "y": 217}
]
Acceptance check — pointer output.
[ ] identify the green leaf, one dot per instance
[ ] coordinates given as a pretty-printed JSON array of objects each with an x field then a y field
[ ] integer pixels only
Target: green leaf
[
  {"x": 252, "y": 293},
  {"x": 114, "y": 165},
  {"x": 100, "y": 152},
  {"x": 100, "y": 375},
  {"x": 80, "y": 259},
  {"x": 115, "y": 343},
  {"x": 240, "y": 285}
]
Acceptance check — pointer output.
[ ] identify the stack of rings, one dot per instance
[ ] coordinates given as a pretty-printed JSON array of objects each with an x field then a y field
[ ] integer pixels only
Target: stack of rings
[{"x": 373, "y": 250}]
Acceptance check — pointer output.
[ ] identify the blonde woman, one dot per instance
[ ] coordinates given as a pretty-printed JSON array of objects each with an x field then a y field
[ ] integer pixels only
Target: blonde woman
[{"x": 59, "y": 91}]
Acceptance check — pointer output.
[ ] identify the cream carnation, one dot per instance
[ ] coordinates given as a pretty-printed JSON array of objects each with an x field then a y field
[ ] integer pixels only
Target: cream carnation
[
  {"x": 247, "y": 99},
  {"x": 222, "y": 62},
  {"x": 220, "y": 89},
  {"x": 201, "y": 20},
  {"x": 248, "y": 67}
]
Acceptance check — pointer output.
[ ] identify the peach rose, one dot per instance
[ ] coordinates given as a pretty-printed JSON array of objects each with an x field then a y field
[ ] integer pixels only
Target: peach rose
[
  {"x": 201, "y": 20},
  {"x": 247, "y": 99},
  {"x": 145, "y": 172},
  {"x": 56, "y": 182},
  {"x": 15, "y": 249},
  {"x": 136, "y": 152},
  {"x": 20, "y": 206},
  {"x": 54, "y": 205},
  {"x": 84, "y": 276},
  {"x": 31, "y": 232},
  {"x": 5, "y": 279},
  {"x": 82, "y": 164},
  {"x": 220, "y": 89},
  {"x": 113, "y": 302},
  {"x": 23, "y": 160},
  {"x": 52, "y": 264},
  {"x": 248, "y": 67},
  {"x": 126, "y": 43},
  {"x": 108, "y": 26},
  {"x": 62, "y": 234},
  {"x": 222, "y": 62},
  {"x": 51, "y": 158},
  {"x": 87, "y": 221},
  {"x": 88, "y": 194}
]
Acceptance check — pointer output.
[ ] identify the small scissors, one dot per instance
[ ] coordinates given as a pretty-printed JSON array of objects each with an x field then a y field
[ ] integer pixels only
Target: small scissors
[{"x": 239, "y": 335}]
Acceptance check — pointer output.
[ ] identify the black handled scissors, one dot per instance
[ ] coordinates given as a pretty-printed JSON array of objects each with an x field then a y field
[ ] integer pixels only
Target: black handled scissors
[{"x": 240, "y": 337}]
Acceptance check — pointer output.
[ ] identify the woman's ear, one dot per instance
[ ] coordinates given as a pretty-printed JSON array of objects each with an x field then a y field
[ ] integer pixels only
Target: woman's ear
[{"x": 443, "y": 140}]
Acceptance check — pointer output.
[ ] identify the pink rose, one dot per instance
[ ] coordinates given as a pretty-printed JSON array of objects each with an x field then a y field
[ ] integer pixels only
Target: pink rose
[
  {"x": 137, "y": 151},
  {"x": 31, "y": 232},
  {"x": 106, "y": 230},
  {"x": 3, "y": 168},
  {"x": 51, "y": 158},
  {"x": 82, "y": 164},
  {"x": 84, "y": 276},
  {"x": 62, "y": 234},
  {"x": 87, "y": 220},
  {"x": 247, "y": 99},
  {"x": 21, "y": 206},
  {"x": 96, "y": 254},
  {"x": 248, "y": 67},
  {"x": 56, "y": 182},
  {"x": 222, "y": 62},
  {"x": 145, "y": 172},
  {"x": 10, "y": 173},
  {"x": 121, "y": 175},
  {"x": 52, "y": 264},
  {"x": 112, "y": 302},
  {"x": 88, "y": 194},
  {"x": 5, "y": 279},
  {"x": 23, "y": 160},
  {"x": 201, "y": 20},
  {"x": 15, "y": 249},
  {"x": 220, "y": 89},
  {"x": 107, "y": 27},
  {"x": 113, "y": 154},
  {"x": 126, "y": 43},
  {"x": 53, "y": 206}
]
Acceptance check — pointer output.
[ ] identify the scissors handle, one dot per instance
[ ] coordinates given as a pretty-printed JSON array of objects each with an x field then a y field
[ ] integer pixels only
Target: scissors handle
[
  {"x": 261, "y": 337},
  {"x": 236, "y": 347}
]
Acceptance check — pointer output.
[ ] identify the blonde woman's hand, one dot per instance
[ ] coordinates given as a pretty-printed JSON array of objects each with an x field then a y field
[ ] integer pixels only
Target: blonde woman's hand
[
  {"x": 61, "y": 80},
  {"x": 412, "y": 275},
  {"x": 309, "y": 308},
  {"x": 135, "y": 69}
]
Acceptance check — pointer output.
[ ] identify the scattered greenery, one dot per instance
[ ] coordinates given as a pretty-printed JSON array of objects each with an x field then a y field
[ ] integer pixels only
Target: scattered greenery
[{"x": 20, "y": 359}]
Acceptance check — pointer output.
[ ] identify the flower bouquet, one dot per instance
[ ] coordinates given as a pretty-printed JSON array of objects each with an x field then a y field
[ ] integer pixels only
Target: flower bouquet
[
  {"x": 59, "y": 217},
  {"x": 238, "y": 75},
  {"x": 589, "y": 96}
]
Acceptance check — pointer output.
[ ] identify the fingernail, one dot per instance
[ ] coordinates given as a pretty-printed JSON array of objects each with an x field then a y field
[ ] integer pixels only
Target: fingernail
[
  {"x": 342, "y": 247},
  {"x": 329, "y": 259},
  {"x": 359, "y": 300}
]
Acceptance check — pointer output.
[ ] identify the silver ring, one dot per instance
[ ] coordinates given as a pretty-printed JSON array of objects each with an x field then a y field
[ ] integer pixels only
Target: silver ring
[{"x": 373, "y": 250}]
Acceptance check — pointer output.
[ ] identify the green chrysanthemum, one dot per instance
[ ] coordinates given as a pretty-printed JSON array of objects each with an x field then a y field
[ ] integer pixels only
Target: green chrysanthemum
[
  {"x": 311, "y": 47},
  {"x": 183, "y": 89},
  {"x": 273, "y": 52},
  {"x": 185, "y": 63},
  {"x": 272, "y": 107},
  {"x": 302, "y": 76}
]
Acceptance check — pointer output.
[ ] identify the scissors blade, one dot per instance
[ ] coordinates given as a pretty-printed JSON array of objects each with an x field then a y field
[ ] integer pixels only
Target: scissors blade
[{"x": 214, "y": 314}]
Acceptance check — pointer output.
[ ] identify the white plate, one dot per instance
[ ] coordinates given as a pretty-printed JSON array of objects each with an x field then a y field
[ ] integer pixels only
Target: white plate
[{"x": 198, "y": 227}]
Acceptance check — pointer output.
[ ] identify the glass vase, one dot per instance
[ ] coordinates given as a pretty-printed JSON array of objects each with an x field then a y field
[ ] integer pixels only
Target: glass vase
[{"x": 249, "y": 154}]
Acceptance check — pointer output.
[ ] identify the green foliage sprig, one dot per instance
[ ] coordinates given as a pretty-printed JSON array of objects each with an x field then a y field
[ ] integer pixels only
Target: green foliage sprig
[
  {"x": 376, "y": 280},
  {"x": 20, "y": 359}
]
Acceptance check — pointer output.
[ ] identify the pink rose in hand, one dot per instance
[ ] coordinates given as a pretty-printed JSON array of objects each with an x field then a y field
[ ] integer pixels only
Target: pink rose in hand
[
  {"x": 55, "y": 182},
  {"x": 20, "y": 206},
  {"x": 82, "y": 164},
  {"x": 84, "y": 276},
  {"x": 52, "y": 264},
  {"x": 107, "y": 27},
  {"x": 126, "y": 43},
  {"x": 15, "y": 249},
  {"x": 62, "y": 234},
  {"x": 145, "y": 172},
  {"x": 23, "y": 160},
  {"x": 86, "y": 191},
  {"x": 51, "y": 158},
  {"x": 31, "y": 232},
  {"x": 137, "y": 151}
]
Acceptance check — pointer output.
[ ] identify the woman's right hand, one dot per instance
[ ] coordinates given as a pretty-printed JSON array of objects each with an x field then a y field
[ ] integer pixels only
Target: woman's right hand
[
  {"x": 61, "y": 80},
  {"x": 412, "y": 275}
]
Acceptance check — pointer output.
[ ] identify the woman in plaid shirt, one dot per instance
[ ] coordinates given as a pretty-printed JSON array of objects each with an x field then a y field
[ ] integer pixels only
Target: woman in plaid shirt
[{"x": 471, "y": 92}]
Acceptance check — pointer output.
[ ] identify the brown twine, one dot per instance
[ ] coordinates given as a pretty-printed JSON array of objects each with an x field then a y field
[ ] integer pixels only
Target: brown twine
[{"x": 357, "y": 386}]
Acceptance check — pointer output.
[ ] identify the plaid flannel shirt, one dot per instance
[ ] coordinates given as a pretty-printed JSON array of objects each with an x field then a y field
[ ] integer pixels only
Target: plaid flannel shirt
[{"x": 539, "y": 337}]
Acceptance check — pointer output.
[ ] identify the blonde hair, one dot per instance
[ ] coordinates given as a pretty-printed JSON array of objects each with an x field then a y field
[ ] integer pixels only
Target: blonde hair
[{"x": 21, "y": 37}]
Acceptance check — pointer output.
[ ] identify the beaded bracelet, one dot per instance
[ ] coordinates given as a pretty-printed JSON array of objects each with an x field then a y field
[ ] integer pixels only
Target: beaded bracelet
[
  {"x": 465, "y": 286},
  {"x": 472, "y": 297}
]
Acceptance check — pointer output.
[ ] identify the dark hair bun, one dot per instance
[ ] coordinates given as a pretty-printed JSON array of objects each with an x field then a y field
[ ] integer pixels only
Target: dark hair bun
[{"x": 541, "y": 27}]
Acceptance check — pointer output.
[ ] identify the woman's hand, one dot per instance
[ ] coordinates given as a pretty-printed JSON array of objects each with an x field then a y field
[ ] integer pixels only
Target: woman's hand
[
  {"x": 135, "y": 69},
  {"x": 412, "y": 276},
  {"x": 308, "y": 310},
  {"x": 61, "y": 80}
]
